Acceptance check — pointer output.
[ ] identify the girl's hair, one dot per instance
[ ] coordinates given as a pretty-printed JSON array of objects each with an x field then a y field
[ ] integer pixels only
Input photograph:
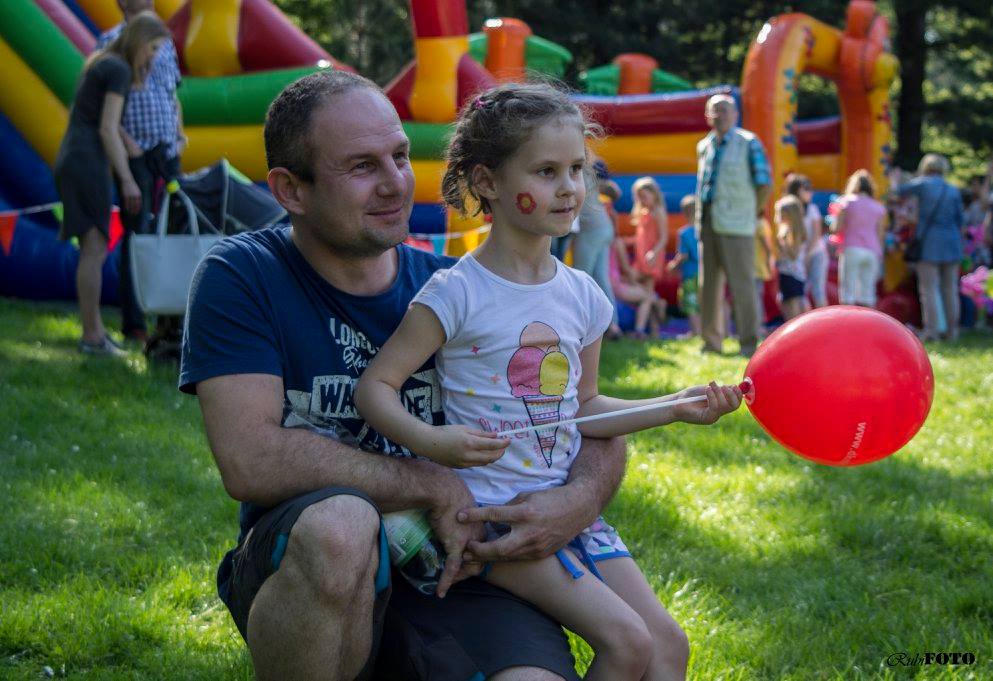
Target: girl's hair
[
  {"x": 789, "y": 210},
  {"x": 649, "y": 183},
  {"x": 860, "y": 182},
  {"x": 795, "y": 183},
  {"x": 141, "y": 30},
  {"x": 493, "y": 126}
]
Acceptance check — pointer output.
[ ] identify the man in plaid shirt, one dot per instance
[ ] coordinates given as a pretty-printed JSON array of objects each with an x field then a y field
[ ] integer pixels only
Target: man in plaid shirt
[{"x": 153, "y": 122}]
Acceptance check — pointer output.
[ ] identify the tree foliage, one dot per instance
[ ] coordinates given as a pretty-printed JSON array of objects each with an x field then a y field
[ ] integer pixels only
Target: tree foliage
[{"x": 945, "y": 94}]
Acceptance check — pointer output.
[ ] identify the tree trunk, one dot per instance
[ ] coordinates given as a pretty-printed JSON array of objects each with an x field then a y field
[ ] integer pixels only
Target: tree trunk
[{"x": 911, "y": 50}]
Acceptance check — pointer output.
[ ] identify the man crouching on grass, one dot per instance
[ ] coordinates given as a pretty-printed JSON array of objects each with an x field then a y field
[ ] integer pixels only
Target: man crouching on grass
[{"x": 280, "y": 325}]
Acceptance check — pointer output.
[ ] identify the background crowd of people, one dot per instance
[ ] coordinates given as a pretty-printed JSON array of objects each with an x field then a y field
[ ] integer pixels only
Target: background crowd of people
[{"x": 729, "y": 251}]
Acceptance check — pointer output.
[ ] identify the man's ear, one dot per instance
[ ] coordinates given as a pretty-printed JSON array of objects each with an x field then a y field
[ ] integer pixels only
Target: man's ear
[
  {"x": 483, "y": 182},
  {"x": 289, "y": 190}
]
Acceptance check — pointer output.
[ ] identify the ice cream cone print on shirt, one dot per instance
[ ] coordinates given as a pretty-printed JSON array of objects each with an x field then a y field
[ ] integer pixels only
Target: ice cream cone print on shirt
[{"x": 538, "y": 373}]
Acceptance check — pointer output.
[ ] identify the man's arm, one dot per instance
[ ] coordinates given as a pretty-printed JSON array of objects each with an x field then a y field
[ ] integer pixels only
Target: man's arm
[
  {"x": 761, "y": 196},
  {"x": 543, "y": 522},
  {"x": 262, "y": 462},
  {"x": 761, "y": 175}
]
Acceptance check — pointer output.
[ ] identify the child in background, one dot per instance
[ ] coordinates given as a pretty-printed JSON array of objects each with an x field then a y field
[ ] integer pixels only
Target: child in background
[
  {"x": 792, "y": 236},
  {"x": 651, "y": 223},
  {"x": 765, "y": 266},
  {"x": 517, "y": 336},
  {"x": 816, "y": 260},
  {"x": 634, "y": 289},
  {"x": 688, "y": 262}
]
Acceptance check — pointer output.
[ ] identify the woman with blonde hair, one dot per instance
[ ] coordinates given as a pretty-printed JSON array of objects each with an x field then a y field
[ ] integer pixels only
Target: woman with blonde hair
[
  {"x": 791, "y": 234},
  {"x": 92, "y": 148},
  {"x": 651, "y": 223},
  {"x": 940, "y": 217},
  {"x": 861, "y": 223},
  {"x": 815, "y": 255}
]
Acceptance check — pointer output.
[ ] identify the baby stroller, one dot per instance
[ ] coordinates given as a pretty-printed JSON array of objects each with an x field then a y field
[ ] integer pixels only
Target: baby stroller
[{"x": 217, "y": 199}]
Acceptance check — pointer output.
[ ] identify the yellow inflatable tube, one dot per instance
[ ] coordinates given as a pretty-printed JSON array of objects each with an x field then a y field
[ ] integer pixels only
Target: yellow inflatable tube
[
  {"x": 434, "y": 96},
  {"x": 651, "y": 154},
  {"x": 212, "y": 39},
  {"x": 32, "y": 108},
  {"x": 244, "y": 147},
  {"x": 822, "y": 169},
  {"x": 105, "y": 13}
]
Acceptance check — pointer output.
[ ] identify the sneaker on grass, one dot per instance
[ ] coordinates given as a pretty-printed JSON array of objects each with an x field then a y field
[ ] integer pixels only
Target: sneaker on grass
[{"x": 104, "y": 347}]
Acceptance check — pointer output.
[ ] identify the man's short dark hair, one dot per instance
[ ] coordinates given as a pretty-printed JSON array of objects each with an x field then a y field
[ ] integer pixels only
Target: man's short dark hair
[{"x": 287, "y": 123}]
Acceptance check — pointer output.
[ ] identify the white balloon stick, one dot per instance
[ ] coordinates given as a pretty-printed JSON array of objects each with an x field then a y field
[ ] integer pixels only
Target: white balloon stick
[{"x": 607, "y": 415}]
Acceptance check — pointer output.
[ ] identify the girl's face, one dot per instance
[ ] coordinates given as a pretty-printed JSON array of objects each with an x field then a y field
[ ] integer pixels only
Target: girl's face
[
  {"x": 146, "y": 54},
  {"x": 540, "y": 188},
  {"x": 646, "y": 198},
  {"x": 806, "y": 194}
]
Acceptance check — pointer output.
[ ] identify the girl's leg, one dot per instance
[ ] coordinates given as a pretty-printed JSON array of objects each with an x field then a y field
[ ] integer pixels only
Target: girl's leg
[
  {"x": 846, "y": 280},
  {"x": 622, "y": 642},
  {"x": 657, "y": 320},
  {"x": 641, "y": 316},
  {"x": 789, "y": 308},
  {"x": 671, "y": 650},
  {"x": 695, "y": 324},
  {"x": 89, "y": 277},
  {"x": 867, "y": 278}
]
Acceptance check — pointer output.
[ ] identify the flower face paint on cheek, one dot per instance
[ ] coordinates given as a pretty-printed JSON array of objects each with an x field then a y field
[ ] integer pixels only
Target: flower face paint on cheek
[{"x": 526, "y": 203}]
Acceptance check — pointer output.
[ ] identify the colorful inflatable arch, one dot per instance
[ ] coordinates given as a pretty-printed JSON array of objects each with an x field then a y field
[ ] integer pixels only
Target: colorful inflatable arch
[{"x": 856, "y": 60}]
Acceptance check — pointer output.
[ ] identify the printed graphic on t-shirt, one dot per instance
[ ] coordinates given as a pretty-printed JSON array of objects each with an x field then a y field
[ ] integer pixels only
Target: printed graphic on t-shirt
[
  {"x": 538, "y": 373},
  {"x": 329, "y": 407}
]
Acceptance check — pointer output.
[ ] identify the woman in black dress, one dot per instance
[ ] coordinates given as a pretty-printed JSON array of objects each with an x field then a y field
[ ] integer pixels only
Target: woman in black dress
[{"x": 93, "y": 146}]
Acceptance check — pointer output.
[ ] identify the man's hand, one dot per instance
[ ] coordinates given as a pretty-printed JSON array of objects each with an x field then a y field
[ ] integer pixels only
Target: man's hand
[
  {"x": 452, "y": 498},
  {"x": 721, "y": 400},
  {"x": 541, "y": 523},
  {"x": 462, "y": 447},
  {"x": 131, "y": 195}
]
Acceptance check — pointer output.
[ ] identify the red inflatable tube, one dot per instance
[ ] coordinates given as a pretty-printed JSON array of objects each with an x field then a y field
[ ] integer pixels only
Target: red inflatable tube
[
  {"x": 820, "y": 136},
  {"x": 652, "y": 114},
  {"x": 268, "y": 40},
  {"x": 439, "y": 18}
]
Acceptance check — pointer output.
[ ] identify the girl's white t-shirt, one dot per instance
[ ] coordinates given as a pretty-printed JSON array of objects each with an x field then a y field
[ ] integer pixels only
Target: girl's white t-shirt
[{"x": 511, "y": 360}]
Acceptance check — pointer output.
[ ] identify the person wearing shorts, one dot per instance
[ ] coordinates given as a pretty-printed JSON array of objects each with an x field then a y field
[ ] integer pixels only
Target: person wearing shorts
[
  {"x": 280, "y": 326},
  {"x": 687, "y": 261}
]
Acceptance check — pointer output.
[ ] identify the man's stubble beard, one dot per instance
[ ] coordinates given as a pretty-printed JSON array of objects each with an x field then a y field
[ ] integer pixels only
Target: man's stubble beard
[{"x": 369, "y": 243}]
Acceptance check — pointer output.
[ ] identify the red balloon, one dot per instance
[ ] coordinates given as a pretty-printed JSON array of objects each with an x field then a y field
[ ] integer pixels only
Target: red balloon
[{"x": 841, "y": 385}]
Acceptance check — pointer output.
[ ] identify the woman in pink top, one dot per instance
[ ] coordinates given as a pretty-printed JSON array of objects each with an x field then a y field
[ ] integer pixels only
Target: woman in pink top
[{"x": 861, "y": 224}]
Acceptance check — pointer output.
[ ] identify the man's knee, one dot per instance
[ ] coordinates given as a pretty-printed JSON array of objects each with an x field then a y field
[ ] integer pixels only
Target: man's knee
[{"x": 334, "y": 546}]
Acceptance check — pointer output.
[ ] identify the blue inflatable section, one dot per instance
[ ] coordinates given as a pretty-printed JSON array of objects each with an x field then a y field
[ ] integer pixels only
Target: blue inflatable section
[
  {"x": 25, "y": 178},
  {"x": 40, "y": 267},
  {"x": 674, "y": 187},
  {"x": 82, "y": 16},
  {"x": 428, "y": 218}
]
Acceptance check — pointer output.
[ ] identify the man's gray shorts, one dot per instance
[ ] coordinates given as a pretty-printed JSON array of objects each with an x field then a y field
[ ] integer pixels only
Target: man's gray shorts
[{"x": 471, "y": 634}]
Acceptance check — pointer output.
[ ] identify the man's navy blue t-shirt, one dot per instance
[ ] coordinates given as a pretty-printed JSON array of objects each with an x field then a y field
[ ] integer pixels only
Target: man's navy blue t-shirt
[{"x": 258, "y": 307}]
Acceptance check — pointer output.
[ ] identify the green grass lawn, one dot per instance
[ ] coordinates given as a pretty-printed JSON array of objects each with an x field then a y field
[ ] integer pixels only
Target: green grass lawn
[{"x": 114, "y": 518}]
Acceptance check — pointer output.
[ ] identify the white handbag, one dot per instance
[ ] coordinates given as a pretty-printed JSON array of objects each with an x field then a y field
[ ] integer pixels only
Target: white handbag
[{"x": 162, "y": 265}]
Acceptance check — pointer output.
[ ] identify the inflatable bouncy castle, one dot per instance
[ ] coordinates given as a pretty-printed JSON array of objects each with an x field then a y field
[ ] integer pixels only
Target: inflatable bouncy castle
[{"x": 237, "y": 54}]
